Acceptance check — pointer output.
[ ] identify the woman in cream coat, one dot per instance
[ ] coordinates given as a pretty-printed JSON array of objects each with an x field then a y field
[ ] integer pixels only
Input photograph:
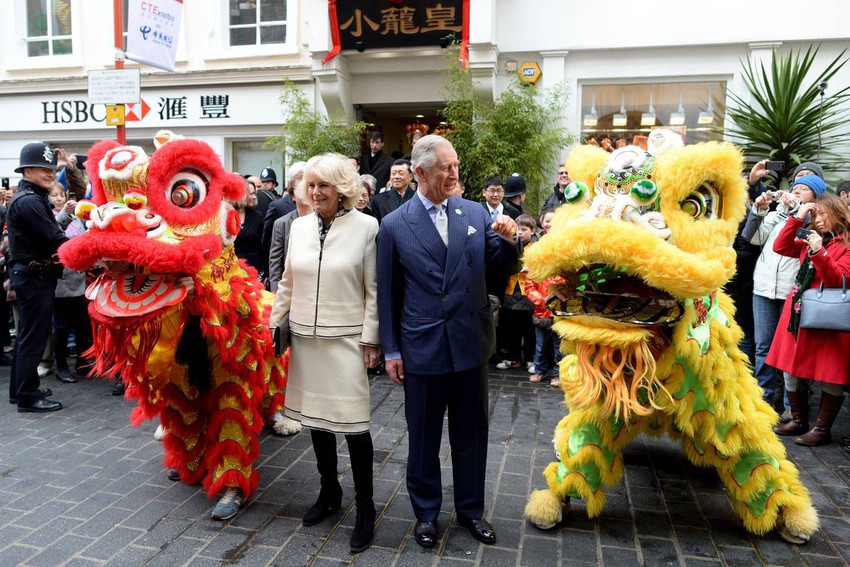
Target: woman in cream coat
[{"x": 329, "y": 290}]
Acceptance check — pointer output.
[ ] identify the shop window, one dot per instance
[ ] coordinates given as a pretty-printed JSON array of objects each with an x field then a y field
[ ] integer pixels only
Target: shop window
[
  {"x": 628, "y": 113},
  {"x": 249, "y": 158},
  {"x": 48, "y": 24},
  {"x": 257, "y": 22}
]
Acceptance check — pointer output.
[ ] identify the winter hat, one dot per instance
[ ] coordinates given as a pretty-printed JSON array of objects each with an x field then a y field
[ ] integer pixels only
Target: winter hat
[
  {"x": 808, "y": 166},
  {"x": 813, "y": 182}
]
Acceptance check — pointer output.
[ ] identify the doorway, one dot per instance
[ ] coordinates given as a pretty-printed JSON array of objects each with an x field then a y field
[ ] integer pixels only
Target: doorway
[{"x": 398, "y": 122}]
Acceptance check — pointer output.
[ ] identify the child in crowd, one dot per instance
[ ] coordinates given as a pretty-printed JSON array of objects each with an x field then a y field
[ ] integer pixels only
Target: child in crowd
[
  {"x": 547, "y": 353},
  {"x": 515, "y": 314}
]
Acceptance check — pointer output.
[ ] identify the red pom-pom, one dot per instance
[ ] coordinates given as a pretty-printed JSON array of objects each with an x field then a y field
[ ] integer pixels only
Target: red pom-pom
[{"x": 234, "y": 223}]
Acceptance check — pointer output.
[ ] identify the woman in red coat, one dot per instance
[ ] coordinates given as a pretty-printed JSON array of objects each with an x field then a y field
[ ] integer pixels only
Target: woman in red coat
[{"x": 810, "y": 353}]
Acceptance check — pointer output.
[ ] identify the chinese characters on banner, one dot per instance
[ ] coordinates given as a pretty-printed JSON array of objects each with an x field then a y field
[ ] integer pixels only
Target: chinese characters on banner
[
  {"x": 175, "y": 108},
  {"x": 152, "y": 32},
  {"x": 384, "y": 24}
]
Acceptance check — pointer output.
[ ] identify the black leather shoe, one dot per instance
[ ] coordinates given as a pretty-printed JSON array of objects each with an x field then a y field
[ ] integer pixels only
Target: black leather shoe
[
  {"x": 64, "y": 375},
  {"x": 40, "y": 406},
  {"x": 118, "y": 387},
  {"x": 172, "y": 474},
  {"x": 480, "y": 529},
  {"x": 43, "y": 392},
  {"x": 426, "y": 533}
]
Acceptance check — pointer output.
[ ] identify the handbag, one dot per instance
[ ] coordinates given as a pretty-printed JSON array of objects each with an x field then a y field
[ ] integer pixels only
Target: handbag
[
  {"x": 517, "y": 301},
  {"x": 280, "y": 338},
  {"x": 544, "y": 323},
  {"x": 826, "y": 308}
]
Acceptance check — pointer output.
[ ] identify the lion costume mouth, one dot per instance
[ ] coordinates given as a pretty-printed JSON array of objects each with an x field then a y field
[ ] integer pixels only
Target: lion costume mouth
[
  {"x": 608, "y": 292},
  {"x": 132, "y": 293}
]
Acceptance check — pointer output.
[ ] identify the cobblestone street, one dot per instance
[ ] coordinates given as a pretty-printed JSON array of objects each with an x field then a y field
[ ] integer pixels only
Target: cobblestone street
[{"x": 82, "y": 487}]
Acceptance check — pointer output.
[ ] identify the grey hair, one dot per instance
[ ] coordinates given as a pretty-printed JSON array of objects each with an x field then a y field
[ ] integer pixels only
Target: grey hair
[
  {"x": 336, "y": 170},
  {"x": 423, "y": 154},
  {"x": 369, "y": 182}
]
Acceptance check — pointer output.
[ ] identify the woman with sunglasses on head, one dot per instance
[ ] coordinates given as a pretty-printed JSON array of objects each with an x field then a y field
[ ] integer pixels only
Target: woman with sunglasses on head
[{"x": 813, "y": 354}]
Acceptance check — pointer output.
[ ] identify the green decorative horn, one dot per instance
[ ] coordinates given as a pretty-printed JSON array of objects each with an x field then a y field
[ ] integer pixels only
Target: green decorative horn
[
  {"x": 575, "y": 192},
  {"x": 644, "y": 192}
]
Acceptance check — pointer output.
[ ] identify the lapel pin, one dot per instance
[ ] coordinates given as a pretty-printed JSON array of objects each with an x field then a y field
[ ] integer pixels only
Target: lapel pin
[{"x": 458, "y": 212}]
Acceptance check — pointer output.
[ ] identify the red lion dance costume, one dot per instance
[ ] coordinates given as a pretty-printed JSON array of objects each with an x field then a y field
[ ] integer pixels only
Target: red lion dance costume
[{"x": 202, "y": 359}]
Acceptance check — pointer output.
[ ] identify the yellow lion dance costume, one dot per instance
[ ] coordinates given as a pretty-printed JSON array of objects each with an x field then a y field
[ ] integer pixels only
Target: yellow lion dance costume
[{"x": 644, "y": 246}]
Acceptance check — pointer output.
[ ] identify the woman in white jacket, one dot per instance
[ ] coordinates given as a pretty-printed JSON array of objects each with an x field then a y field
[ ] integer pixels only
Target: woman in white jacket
[
  {"x": 774, "y": 274},
  {"x": 329, "y": 290}
]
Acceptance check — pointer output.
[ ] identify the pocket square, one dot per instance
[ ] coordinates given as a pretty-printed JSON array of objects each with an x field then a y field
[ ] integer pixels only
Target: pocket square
[{"x": 470, "y": 230}]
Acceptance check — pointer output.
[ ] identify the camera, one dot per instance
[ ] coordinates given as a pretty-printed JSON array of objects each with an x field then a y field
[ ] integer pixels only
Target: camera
[
  {"x": 803, "y": 234},
  {"x": 5, "y": 182},
  {"x": 774, "y": 195}
]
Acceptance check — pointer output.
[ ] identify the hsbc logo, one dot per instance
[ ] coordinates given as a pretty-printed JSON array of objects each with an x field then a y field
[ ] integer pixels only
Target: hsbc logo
[{"x": 136, "y": 112}]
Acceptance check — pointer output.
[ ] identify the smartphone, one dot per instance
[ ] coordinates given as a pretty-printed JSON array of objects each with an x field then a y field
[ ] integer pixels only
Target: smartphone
[
  {"x": 775, "y": 166},
  {"x": 5, "y": 183},
  {"x": 803, "y": 234}
]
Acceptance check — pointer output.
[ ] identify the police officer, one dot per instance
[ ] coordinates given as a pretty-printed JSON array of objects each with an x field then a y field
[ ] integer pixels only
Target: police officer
[
  {"x": 268, "y": 192},
  {"x": 34, "y": 238}
]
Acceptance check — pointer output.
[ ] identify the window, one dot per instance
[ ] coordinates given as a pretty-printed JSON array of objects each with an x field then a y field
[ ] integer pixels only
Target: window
[
  {"x": 249, "y": 158},
  {"x": 48, "y": 27},
  {"x": 696, "y": 110},
  {"x": 257, "y": 22}
]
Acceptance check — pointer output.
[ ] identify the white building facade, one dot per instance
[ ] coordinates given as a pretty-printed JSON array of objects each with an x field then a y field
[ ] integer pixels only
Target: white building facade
[{"x": 233, "y": 55}]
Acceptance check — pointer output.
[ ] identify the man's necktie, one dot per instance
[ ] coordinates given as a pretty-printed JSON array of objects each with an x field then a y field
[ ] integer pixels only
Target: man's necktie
[
  {"x": 493, "y": 214},
  {"x": 442, "y": 224}
]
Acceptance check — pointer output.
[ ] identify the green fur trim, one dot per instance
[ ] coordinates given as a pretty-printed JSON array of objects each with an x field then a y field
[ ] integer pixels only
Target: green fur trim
[
  {"x": 749, "y": 462},
  {"x": 692, "y": 383}
]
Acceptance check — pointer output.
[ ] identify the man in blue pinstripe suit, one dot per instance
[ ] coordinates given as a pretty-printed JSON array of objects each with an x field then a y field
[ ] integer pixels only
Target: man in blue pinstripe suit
[{"x": 437, "y": 332}]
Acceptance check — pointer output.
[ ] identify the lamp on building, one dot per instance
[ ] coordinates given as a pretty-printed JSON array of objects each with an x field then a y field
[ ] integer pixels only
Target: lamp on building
[
  {"x": 622, "y": 118},
  {"x": 444, "y": 41},
  {"x": 707, "y": 116},
  {"x": 592, "y": 119},
  {"x": 648, "y": 117},
  {"x": 678, "y": 118},
  {"x": 360, "y": 46}
]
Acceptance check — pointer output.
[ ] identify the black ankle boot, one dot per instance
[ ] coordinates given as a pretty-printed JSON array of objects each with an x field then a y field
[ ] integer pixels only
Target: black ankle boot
[
  {"x": 327, "y": 503},
  {"x": 364, "y": 529}
]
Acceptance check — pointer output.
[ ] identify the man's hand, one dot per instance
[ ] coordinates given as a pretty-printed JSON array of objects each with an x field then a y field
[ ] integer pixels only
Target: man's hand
[
  {"x": 371, "y": 356},
  {"x": 758, "y": 171},
  {"x": 395, "y": 370},
  {"x": 505, "y": 226}
]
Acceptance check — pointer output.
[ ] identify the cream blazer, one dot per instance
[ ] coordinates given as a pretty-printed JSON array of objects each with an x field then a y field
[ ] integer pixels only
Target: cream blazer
[{"x": 330, "y": 291}]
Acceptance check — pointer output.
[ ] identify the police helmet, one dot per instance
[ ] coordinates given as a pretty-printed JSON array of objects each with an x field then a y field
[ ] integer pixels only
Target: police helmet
[
  {"x": 37, "y": 154},
  {"x": 268, "y": 174},
  {"x": 514, "y": 185}
]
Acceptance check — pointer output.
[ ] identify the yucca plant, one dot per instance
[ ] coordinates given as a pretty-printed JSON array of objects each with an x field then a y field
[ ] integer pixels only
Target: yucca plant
[{"x": 783, "y": 115}]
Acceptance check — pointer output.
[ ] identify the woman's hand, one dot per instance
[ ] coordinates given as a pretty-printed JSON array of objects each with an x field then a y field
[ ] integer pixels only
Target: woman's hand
[
  {"x": 815, "y": 241},
  {"x": 188, "y": 283},
  {"x": 371, "y": 356},
  {"x": 804, "y": 210}
]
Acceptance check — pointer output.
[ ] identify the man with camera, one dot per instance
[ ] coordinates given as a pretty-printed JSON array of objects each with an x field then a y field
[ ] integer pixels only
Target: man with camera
[
  {"x": 34, "y": 238},
  {"x": 774, "y": 274}
]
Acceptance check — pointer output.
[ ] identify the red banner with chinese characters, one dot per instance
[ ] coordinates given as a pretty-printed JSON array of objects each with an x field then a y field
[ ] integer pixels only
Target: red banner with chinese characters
[{"x": 388, "y": 24}]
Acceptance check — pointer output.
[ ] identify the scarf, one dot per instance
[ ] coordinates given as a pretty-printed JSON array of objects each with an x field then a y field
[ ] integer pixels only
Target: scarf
[{"x": 801, "y": 284}]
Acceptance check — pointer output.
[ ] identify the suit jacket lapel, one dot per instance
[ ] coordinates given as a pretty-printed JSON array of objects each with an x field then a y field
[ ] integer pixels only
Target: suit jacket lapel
[
  {"x": 458, "y": 227},
  {"x": 423, "y": 228}
]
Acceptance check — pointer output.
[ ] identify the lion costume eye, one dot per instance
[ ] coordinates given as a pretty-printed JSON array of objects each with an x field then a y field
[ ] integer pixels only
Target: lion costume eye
[
  {"x": 702, "y": 203},
  {"x": 187, "y": 189}
]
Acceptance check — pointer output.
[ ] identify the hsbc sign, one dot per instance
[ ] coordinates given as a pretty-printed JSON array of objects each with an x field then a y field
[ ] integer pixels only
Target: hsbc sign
[{"x": 157, "y": 108}]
